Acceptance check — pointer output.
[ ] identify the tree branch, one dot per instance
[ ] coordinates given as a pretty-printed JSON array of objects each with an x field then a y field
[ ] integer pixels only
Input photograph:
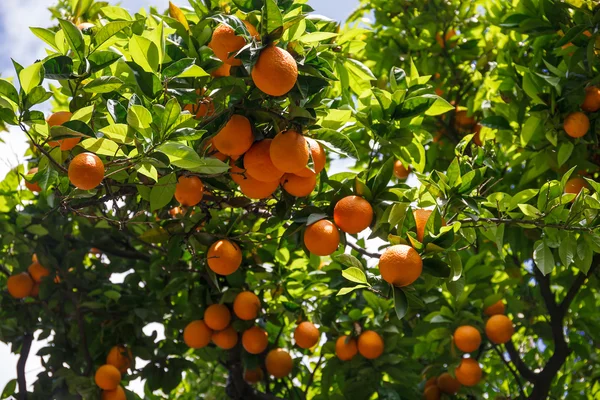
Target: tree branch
[
  {"x": 312, "y": 375},
  {"x": 362, "y": 251},
  {"x": 83, "y": 340},
  {"x": 515, "y": 358},
  {"x": 25, "y": 348},
  {"x": 576, "y": 286},
  {"x": 512, "y": 371}
]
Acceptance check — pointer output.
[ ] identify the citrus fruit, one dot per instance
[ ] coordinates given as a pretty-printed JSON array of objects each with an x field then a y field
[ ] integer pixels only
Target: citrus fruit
[
  {"x": 276, "y": 72},
  {"x": 576, "y": 124},
  {"x": 306, "y": 335},
  {"x": 575, "y": 185},
  {"x": 319, "y": 158},
  {"x": 117, "y": 394},
  {"x": 353, "y": 214},
  {"x": 258, "y": 164},
  {"x": 400, "y": 265},
  {"x": 120, "y": 357},
  {"x": 217, "y": 317},
  {"x": 591, "y": 102},
  {"x": 279, "y": 363},
  {"x": 225, "y": 43},
  {"x": 86, "y": 171},
  {"x": 432, "y": 393},
  {"x": 189, "y": 190},
  {"x": 197, "y": 334},
  {"x": 468, "y": 372},
  {"x": 421, "y": 216},
  {"x": 400, "y": 171},
  {"x": 370, "y": 345},
  {"x": 467, "y": 338},
  {"x": 226, "y": 338},
  {"x": 224, "y": 257},
  {"x": 38, "y": 272},
  {"x": 34, "y": 187},
  {"x": 448, "y": 384},
  {"x": 322, "y": 238},
  {"x": 236, "y": 137},
  {"x": 238, "y": 174},
  {"x": 59, "y": 118},
  {"x": 298, "y": 186},
  {"x": 255, "y": 340},
  {"x": 431, "y": 382},
  {"x": 496, "y": 308},
  {"x": 107, "y": 377},
  {"x": 20, "y": 285},
  {"x": 463, "y": 120},
  {"x": 499, "y": 329},
  {"x": 289, "y": 151},
  {"x": 246, "y": 306},
  {"x": 253, "y": 375},
  {"x": 345, "y": 348},
  {"x": 255, "y": 189},
  {"x": 222, "y": 71}
]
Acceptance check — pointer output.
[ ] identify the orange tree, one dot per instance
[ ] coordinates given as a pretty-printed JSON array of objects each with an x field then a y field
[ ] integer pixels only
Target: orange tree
[{"x": 194, "y": 153}]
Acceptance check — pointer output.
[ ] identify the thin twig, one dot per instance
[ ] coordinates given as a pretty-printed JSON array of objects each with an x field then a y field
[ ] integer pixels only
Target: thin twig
[
  {"x": 312, "y": 375},
  {"x": 362, "y": 251}
]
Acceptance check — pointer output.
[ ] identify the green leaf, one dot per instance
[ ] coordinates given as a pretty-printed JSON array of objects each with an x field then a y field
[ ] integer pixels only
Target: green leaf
[
  {"x": 38, "y": 95},
  {"x": 496, "y": 122},
  {"x": 83, "y": 114},
  {"x": 531, "y": 126},
  {"x": 140, "y": 118},
  {"x": 147, "y": 81},
  {"x": 102, "y": 59},
  {"x": 455, "y": 265},
  {"x": 31, "y": 77},
  {"x": 104, "y": 84},
  {"x": 567, "y": 249},
  {"x": 347, "y": 290},
  {"x": 383, "y": 177},
  {"x": 522, "y": 197},
  {"x": 355, "y": 274},
  {"x": 9, "y": 389},
  {"x": 8, "y": 90},
  {"x": 118, "y": 133},
  {"x": 37, "y": 229},
  {"x": 147, "y": 169},
  {"x": 113, "y": 13},
  {"x": 336, "y": 141},
  {"x": 162, "y": 193},
  {"x": 46, "y": 35},
  {"x": 317, "y": 37},
  {"x": 532, "y": 87},
  {"x": 144, "y": 52},
  {"x": 109, "y": 30},
  {"x": 348, "y": 260},
  {"x": 530, "y": 210},
  {"x": 400, "y": 303},
  {"x": 543, "y": 258},
  {"x": 439, "y": 106},
  {"x": 74, "y": 37},
  {"x": 105, "y": 147},
  {"x": 113, "y": 295},
  {"x": 185, "y": 157},
  {"x": 564, "y": 152},
  {"x": 168, "y": 114},
  {"x": 273, "y": 18},
  {"x": 59, "y": 68},
  {"x": 193, "y": 72},
  {"x": 178, "y": 67}
]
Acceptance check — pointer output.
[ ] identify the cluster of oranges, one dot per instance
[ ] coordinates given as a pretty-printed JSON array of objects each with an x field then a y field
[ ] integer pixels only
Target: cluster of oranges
[
  {"x": 370, "y": 345},
  {"x": 108, "y": 376},
  {"x": 444, "y": 383},
  {"x": 577, "y": 123},
  {"x": 26, "y": 284}
]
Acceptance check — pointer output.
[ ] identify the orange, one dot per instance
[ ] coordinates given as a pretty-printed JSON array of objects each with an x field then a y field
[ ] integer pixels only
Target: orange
[
  {"x": 400, "y": 171},
  {"x": 432, "y": 393},
  {"x": 238, "y": 174},
  {"x": 37, "y": 272},
  {"x": 35, "y": 290},
  {"x": 225, "y": 339},
  {"x": 258, "y": 164},
  {"x": 499, "y": 329},
  {"x": 496, "y": 308},
  {"x": 463, "y": 120},
  {"x": 467, "y": 338},
  {"x": 217, "y": 317},
  {"x": 439, "y": 91},
  {"x": 370, "y": 345},
  {"x": 400, "y": 265},
  {"x": 120, "y": 357},
  {"x": 576, "y": 124},
  {"x": 448, "y": 384},
  {"x": 306, "y": 335},
  {"x": 322, "y": 238},
  {"x": 289, "y": 151},
  {"x": 85, "y": 25},
  {"x": 254, "y": 189},
  {"x": 276, "y": 72},
  {"x": 59, "y": 118},
  {"x": 224, "y": 42},
  {"x": 279, "y": 363},
  {"x": 353, "y": 214},
  {"x": 189, "y": 190},
  {"x": 246, "y": 306},
  {"x": 236, "y": 137},
  {"x": 255, "y": 340},
  {"x": 449, "y": 35},
  {"x": 107, "y": 377},
  {"x": 117, "y": 394},
  {"x": 86, "y": 171},
  {"x": 591, "y": 102},
  {"x": 318, "y": 156},
  {"x": 431, "y": 382},
  {"x": 175, "y": 211},
  {"x": 421, "y": 217},
  {"x": 197, "y": 334},
  {"x": 468, "y": 372},
  {"x": 345, "y": 350},
  {"x": 477, "y": 135},
  {"x": 34, "y": 187},
  {"x": 298, "y": 186},
  {"x": 575, "y": 185},
  {"x": 203, "y": 108},
  {"x": 223, "y": 71},
  {"x": 253, "y": 375},
  {"x": 224, "y": 257},
  {"x": 20, "y": 285}
]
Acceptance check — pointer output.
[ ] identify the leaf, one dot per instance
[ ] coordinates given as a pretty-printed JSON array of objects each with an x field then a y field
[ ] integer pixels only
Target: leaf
[
  {"x": 109, "y": 30},
  {"x": 38, "y": 95},
  {"x": 105, "y": 147},
  {"x": 529, "y": 210},
  {"x": 118, "y": 133},
  {"x": 355, "y": 274},
  {"x": 46, "y": 35},
  {"x": 348, "y": 260},
  {"x": 185, "y": 157},
  {"x": 564, "y": 152},
  {"x": 144, "y": 52},
  {"x": 439, "y": 106},
  {"x": 112, "y": 12},
  {"x": 400, "y": 303},
  {"x": 170, "y": 115},
  {"x": 139, "y": 118},
  {"x": 37, "y": 229},
  {"x": 522, "y": 197},
  {"x": 178, "y": 67},
  {"x": 113, "y": 295},
  {"x": 83, "y": 114},
  {"x": 162, "y": 193},
  {"x": 455, "y": 265},
  {"x": 317, "y": 37},
  {"x": 102, "y": 59},
  {"x": 59, "y": 68},
  {"x": 532, "y": 88},
  {"x": 104, "y": 84},
  {"x": 176, "y": 13},
  {"x": 72, "y": 129},
  {"x": 531, "y": 126},
  {"x": 347, "y": 290},
  {"x": 147, "y": 169},
  {"x": 8, "y": 90},
  {"x": 193, "y": 72},
  {"x": 337, "y": 141},
  {"x": 273, "y": 18},
  {"x": 383, "y": 177},
  {"x": 543, "y": 258},
  {"x": 31, "y": 76},
  {"x": 74, "y": 37},
  {"x": 9, "y": 389},
  {"x": 147, "y": 81},
  {"x": 496, "y": 122}
]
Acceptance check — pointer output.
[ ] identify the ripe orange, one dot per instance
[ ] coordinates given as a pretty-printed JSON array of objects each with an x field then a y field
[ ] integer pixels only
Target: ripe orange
[
  {"x": 400, "y": 265},
  {"x": 59, "y": 118},
  {"x": 38, "y": 272},
  {"x": 197, "y": 334},
  {"x": 20, "y": 285},
  {"x": 34, "y": 187},
  {"x": 353, "y": 214},
  {"x": 448, "y": 384},
  {"x": 421, "y": 217},
  {"x": 322, "y": 238},
  {"x": 576, "y": 124},
  {"x": 224, "y": 257},
  {"x": 117, "y": 394},
  {"x": 253, "y": 375},
  {"x": 107, "y": 377},
  {"x": 345, "y": 351},
  {"x": 86, "y": 171},
  {"x": 477, "y": 135},
  {"x": 217, "y": 317},
  {"x": 223, "y": 71},
  {"x": 189, "y": 190},
  {"x": 499, "y": 329},
  {"x": 449, "y": 35},
  {"x": 467, "y": 338},
  {"x": 279, "y": 363},
  {"x": 246, "y": 306},
  {"x": 254, "y": 189},
  {"x": 203, "y": 108},
  {"x": 298, "y": 186},
  {"x": 496, "y": 308},
  {"x": 255, "y": 340},
  {"x": 306, "y": 335},
  {"x": 238, "y": 174},
  {"x": 400, "y": 171},
  {"x": 225, "y": 43},
  {"x": 120, "y": 357},
  {"x": 289, "y": 151},
  {"x": 468, "y": 372},
  {"x": 276, "y": 72},
  {"x": 432, "y": 393},
  {"x": 370, "y": 345},
  {"x": 258, "y": 164},
  {"x": 591, "y": 102},
  {"x": 575, "y": 185},
  {"x": 35, "y": 290},
  {"x": 318, "y": 156},
  {"x": 225, "y": 339},
  {"x": 236, "y": 137},
  {"x": 431, "y": 382}
]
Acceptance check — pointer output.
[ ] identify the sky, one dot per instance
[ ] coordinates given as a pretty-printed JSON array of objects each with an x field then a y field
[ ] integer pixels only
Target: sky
[{"x": 17, "y": 42}]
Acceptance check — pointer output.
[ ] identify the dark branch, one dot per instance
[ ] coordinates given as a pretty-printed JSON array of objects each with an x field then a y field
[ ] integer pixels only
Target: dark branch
[
  {"x": 126, "y": 191},
  {"x": 25, "y": 348},
  {"x": 512, "y": 371},
  {"x": 515, "y": 358},
  {"x": 576, "y": 286},
  {"x": 312, "y": 375},
  {"x": 362, "y": 251},
  {"x": 83, "y": 340}
]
